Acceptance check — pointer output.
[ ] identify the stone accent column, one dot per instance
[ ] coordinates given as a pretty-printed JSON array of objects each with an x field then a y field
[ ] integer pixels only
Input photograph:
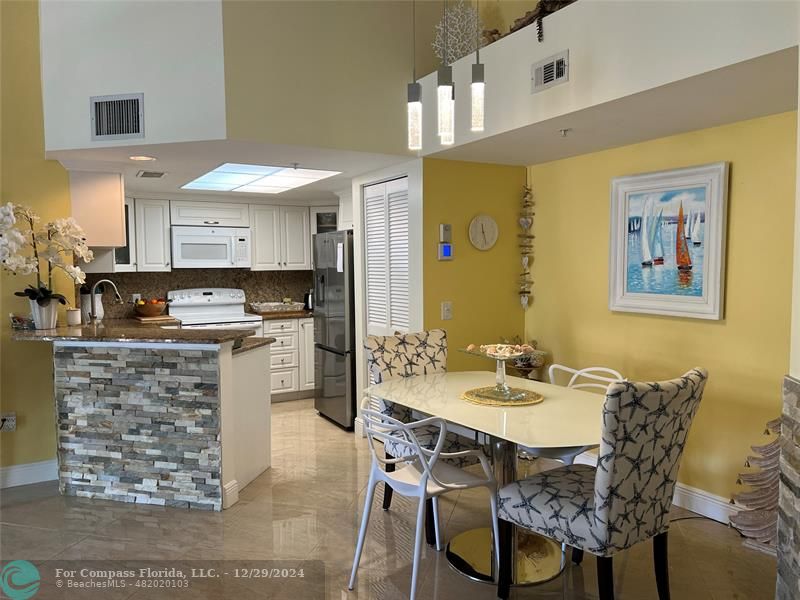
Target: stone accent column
[
  {"x": 788, "y": 587},
  {"x": 139, "y": 424}
]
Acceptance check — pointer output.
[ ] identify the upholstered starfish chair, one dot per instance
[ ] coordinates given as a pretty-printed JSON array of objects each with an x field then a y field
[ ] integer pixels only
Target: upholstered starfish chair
[
  {"x": 410, "y": 355},
  {"x": 626, "y": 499}
]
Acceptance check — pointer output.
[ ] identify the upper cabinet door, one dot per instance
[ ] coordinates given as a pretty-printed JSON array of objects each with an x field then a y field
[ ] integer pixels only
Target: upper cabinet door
[
  {"x": 209, "y": 213},
  {"x": 265, "y": 238},
  {"x": 296, "y": 238},
  {"x": 152, "y": 235},
  {"x": 98, "y": 201}
]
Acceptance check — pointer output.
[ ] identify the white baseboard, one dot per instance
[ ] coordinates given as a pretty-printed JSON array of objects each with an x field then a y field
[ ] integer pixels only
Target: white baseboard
[
  {"x": 230, "y": 493},
  {"x": 37, "y": 472},
  {"x": 691, "y": 498}
]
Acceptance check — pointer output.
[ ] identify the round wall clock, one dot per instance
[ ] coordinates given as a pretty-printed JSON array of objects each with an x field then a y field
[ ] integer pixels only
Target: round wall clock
[{"x": 483, "y": 232}]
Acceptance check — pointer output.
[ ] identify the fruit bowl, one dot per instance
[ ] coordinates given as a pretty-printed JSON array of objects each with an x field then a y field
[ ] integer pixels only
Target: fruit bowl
[{"x": 150, "y": 310}]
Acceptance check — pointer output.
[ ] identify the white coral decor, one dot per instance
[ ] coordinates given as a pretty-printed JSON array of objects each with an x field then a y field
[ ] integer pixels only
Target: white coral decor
[
  {"x": 461, "y": 22},
  {"x": 24, "y": 244}
]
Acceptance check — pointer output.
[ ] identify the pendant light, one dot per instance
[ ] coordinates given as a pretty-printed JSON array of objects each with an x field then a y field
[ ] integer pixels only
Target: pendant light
[
  {"x": 414, "y": 92},
  {"x": 477, "y": 86},
  {"x": 446, "y": 94}
]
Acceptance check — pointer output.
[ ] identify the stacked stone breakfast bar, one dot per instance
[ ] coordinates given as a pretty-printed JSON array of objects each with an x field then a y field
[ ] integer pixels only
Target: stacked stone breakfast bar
[{"x": 172, "y": 417}]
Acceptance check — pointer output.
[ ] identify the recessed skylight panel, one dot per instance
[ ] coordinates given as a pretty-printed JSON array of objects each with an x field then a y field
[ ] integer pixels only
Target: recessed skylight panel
[{"x": 258, "y": 179}]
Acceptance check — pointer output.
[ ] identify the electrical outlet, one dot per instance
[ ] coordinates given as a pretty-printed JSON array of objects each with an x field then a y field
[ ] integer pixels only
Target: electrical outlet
[
  {"x": 447, "y": 310},
  {"x": 9, "y": 421},
  {"x": 135, "y": 298}
]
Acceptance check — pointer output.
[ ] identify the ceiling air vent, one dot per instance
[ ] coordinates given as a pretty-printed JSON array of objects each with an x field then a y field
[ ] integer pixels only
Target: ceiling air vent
[
  {"x": 551, "y": 71},
  {"x": 150, "y": 174},
  {"x": 117, "y": 117}
]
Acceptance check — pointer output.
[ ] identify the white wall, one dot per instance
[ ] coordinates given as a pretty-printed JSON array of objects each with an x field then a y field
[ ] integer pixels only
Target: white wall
[
  {"x": 616, "y": 48},
  {"x": 413, "y": 170},
  {"x": 169, "y": 50}
]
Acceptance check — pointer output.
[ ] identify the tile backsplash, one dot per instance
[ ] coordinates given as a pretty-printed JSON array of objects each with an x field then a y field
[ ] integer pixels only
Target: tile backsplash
[{"x": 258, "y": 286}]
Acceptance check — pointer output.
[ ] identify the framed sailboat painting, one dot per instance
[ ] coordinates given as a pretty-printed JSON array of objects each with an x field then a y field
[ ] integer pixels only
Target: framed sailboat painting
[{"x": 667, "y": 252}]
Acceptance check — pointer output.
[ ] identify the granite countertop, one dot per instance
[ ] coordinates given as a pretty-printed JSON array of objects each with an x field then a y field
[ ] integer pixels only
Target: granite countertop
[
  {"x": 252, "y": 343},
  {"x": 130, "y": 330},
  {"x": 278, "y": 315}
]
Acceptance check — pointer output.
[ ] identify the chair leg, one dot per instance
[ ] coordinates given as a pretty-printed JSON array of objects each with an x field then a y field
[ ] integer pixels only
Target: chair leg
[
  {"x": 605, "y": 577},
  {"x": 505, "y": 536},
  {"x": 495, "y": 533},
  {"x": 577, "y": 556},
  {"x": 436, "y": 523},
  {"x": 661, "y": 563},
  {"x": 430, "y": 519},
  {"x": 362, "y": 533},
  {"x": 418, "y": 545},
  {"x": 387, "y": 489}
]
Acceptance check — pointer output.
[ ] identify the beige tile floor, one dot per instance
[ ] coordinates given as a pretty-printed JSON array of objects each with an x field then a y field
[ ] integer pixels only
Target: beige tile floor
[{"x": 307, "y": 507}]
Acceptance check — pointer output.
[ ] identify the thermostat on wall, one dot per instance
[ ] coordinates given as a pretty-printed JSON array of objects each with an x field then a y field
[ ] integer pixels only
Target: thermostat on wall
[{"x": 445, "y": 241}]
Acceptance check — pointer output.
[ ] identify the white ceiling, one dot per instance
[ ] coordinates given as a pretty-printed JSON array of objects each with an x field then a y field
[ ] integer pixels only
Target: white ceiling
[
  {"x": 762, "y": 86},
  {"x": 183, "y": 162}
]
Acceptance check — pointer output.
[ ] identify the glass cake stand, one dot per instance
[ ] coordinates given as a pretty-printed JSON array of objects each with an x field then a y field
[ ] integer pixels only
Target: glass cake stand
[{"x": 501, "y": 392}]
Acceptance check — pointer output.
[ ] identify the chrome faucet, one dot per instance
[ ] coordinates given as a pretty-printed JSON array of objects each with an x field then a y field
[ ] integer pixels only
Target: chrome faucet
[{"x": 117, "y": 297}]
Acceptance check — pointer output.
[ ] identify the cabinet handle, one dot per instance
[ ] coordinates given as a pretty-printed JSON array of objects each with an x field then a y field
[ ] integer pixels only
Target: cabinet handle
[
  {"x": 211, "y": 222},
  {"x": 166, "y": 264}
]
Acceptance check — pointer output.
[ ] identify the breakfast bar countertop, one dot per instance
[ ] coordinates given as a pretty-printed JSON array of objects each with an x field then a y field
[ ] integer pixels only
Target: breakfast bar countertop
[{"x": 130, "y": 330}]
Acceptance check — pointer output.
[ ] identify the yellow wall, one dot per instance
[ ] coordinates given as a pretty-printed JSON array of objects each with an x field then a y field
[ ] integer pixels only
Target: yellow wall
[
  {"x": 320, "y": 73},
  {"x": 481, "y": 285},
  {"x": 747, "y": 353},
  {"x": 26, "y": 372}
]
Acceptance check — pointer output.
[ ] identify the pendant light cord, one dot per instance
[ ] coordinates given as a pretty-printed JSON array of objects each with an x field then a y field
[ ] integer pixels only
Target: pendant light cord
[
  {"x": 477, "y": 31},
  {"x": 414, "y": 40}
]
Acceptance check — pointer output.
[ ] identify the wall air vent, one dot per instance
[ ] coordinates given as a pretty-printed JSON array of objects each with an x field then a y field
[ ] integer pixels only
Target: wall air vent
[
  {"x": 551, "y": 71},
  {"x": 150, "y": 174},
  {"x": 117, "y": 117}
]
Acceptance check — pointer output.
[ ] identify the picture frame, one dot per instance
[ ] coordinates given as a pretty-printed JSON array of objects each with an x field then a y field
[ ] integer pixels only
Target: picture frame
[{"x": 667, "y": 242}]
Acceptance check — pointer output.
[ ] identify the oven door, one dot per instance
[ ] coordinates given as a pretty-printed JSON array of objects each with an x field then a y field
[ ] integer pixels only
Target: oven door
[
  {"x": 256, "y": 326},
  {"x": 206, "y": 247}
]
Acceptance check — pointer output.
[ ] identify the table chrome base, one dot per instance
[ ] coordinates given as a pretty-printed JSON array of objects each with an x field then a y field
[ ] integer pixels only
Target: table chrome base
[{"x": 538, "y": 559}]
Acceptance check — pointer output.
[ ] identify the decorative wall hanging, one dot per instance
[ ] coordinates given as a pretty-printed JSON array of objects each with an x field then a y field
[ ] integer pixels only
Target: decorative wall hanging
[
  {"x": 543, "y": 8},
  {"x": 667, "y": 252},
  {"x": 758, "y": 521},
  {"x": 455, "y": 33},
  {"x": 526, "y": 217}
]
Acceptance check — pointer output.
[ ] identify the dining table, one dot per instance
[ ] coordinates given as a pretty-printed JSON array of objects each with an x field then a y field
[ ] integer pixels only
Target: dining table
[{"x": 564, "y": 418}]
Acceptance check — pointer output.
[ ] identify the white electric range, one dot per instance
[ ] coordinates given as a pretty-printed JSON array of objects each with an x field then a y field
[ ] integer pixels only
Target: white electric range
[{"x": 212, "y": 308}]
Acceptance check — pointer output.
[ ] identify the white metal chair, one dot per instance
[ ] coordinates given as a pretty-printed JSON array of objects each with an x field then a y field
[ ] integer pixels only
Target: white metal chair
[
  {"x": 422, "y": 475},
  {"x": 590, "y": 379}
]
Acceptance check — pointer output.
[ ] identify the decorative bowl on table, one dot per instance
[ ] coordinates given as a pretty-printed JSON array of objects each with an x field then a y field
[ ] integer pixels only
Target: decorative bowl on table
[
  {"x": 150, "y": 309},
  {"x": 501, "y": 393}
]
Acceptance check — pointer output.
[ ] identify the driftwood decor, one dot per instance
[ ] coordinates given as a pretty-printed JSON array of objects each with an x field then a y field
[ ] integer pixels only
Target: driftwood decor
[
  {"x": 543, "y": 8},
  {"x": 758, "y": 521}
]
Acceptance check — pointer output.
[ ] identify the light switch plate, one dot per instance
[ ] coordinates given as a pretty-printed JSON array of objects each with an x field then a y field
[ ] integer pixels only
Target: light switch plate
[{"x": 447, "y": 310}]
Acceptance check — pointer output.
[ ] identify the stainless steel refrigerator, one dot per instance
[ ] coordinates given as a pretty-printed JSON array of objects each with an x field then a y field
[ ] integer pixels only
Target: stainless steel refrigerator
[{"x": 334, "y": 327}]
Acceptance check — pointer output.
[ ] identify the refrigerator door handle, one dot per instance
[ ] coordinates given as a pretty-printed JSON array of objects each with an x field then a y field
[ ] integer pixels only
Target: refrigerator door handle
[{"x": 321, "y": 300}]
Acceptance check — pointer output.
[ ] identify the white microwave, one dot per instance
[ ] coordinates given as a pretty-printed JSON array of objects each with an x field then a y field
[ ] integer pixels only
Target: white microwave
[{"x": 210, "y": 247}]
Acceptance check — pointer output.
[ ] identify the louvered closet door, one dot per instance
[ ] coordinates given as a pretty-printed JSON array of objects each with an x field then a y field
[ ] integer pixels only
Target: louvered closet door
[
  {"x": 387, "y": 257},
  {"x": 397, "y": 199},
  {"x": 377, "y": 266}
]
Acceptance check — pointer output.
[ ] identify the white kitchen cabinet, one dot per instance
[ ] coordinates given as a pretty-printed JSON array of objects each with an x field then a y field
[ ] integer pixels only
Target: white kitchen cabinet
[
  {"x": 306, "y": 356},
  {"x": 117, "y": 260},
  {"x": 98, "y": 201},
  {"x": 280, "y": 238},
  {"x": 184, "y": 212},
  {"x": 152, "y": 235},
  {"x": 323, "y": 220},
  {"x": 265, "y": 238},
  {"x": 296, "y": 238}
]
